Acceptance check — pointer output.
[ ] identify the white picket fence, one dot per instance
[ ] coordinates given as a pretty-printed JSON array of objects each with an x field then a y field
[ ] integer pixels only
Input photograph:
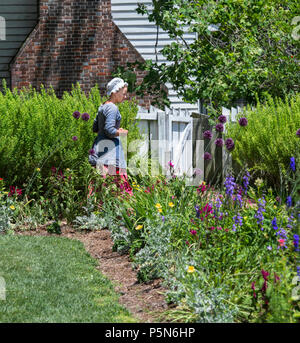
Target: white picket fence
[{"x": 168, "y": 136}]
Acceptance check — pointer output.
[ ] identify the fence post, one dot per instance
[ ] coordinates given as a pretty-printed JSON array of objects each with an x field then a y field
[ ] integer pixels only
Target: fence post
[{"x": 161, "y": 122}]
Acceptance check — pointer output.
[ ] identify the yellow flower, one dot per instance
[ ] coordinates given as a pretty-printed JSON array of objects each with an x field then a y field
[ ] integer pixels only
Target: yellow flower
[
  {"x": 245, "y": 218},
  {"x": 191, "y": 269},
  {"x": 12, "y": 207},
  {"x": 38, "y": 169},
  {"x": 139, "y": 227},
  {"x": 5, "y": 193},
  {"x": 158, "y": 206},
  {"x": 275, "y": 206},
  {"x": 160, "y": 210},
  {"x": 171, "y": 204}
]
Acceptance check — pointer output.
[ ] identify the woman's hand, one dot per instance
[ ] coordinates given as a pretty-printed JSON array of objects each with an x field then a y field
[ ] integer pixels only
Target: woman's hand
[{"x": 122, "y": 132}]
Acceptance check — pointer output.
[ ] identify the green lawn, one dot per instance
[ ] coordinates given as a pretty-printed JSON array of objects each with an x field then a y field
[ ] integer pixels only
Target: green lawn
[{"x": 53, "y": 279}]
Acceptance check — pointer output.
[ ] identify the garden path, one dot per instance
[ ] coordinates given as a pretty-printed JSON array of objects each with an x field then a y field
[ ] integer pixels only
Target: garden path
[{"x": 145, "y": 301}]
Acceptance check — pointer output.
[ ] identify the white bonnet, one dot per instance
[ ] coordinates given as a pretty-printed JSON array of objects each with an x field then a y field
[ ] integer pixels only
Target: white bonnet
[{"x": 115, "y": 85}]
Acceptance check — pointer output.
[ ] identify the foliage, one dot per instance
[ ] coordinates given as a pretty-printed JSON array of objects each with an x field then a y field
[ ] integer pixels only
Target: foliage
[
  {"x": 241, "y": 49},
  {"x": 269, "y": 140},
  {"x": 38, "y": 131}
]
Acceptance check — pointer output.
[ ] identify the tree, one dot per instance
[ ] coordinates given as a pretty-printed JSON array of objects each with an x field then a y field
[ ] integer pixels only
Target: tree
[{"x": 243, "y": 49}]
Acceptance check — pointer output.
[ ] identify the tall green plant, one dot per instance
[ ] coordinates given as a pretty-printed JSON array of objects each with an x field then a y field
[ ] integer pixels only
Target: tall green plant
[{"x": 269, "y": 140}]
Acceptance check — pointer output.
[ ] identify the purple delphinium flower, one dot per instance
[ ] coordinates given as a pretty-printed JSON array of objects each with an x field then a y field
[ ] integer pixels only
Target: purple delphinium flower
[
  {"x": 207, "y": 156},
  {"x": 259, "y": 214},
  {"x": 207, "y": 134},
  {"x": 243, "y": 121},
  {"x": 74, "y": 138},
  {"x": 229, "y": 185},
  {"x": 239, "y": 199},
  {"x": 91, "y": 151},
  {"x": 296, "y": 242},
  {"x": 237, "y": 220},
  {"x": 229, "y": 144},
  {"x": 85, "y": 116},
  {"x": 219, "y": 142},
  {"x": 289, "y": 201},
  {"x": 298, "y": 270},
  {"x": 293, "y": 164},
  {"x": 222, "y": 119},
  {"x": 298, "y": 133},
  {"x": 76, "y": 114},
  {"x": 274, "y": 224},
  {"x": 219, "y": 127},
  {"x": 246, "y": 181}
]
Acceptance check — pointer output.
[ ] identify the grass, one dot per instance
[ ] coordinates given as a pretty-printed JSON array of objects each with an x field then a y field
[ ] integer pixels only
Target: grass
[{"x": 53, "y": 279}]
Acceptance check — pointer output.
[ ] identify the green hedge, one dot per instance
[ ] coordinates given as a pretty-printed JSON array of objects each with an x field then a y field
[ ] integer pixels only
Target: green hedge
[
  {"x": 269, "y": 140},
  {"x": 36, "y": 130}
]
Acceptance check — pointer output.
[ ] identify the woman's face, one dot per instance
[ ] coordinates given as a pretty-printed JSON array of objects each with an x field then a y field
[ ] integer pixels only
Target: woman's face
[{"x": 120, "y": 95}]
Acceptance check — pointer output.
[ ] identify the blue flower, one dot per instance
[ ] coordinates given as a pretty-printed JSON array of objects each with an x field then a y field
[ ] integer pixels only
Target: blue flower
[
  {"x": 293, "y": 164},
  {"x": 289, "y": 201}
]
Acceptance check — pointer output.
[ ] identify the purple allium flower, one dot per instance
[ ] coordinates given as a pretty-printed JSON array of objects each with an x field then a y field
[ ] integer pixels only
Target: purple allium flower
[
  {"x": 74, "y": 138},
  {"x": 91, "y": 151},
  {"x": 293, "y": 164},
  {"x": 219, "y": 142},
  {"x": 207, "y": 134},
  {"x": 220, "y": 127},
  {"x": 243, "y": 121},
  {"x": 85, "y": 116},
  {"x": 298, "y": 133},
  {"x": 229, "y": 144},
  {"x": 76, "y": 114},
  {"x": 289, "y": 201},
  {"x": 222, "y": 119},
  {"x": 207, "y": 156}
]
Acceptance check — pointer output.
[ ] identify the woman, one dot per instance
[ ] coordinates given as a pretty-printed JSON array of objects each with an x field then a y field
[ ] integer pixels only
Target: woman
[{"x": 107, "y": 153}]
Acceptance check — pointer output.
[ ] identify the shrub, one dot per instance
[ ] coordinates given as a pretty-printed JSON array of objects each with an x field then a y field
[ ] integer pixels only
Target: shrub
[
  {"x": 269, "y": 140},
  {"x": 38, "y": 130}
]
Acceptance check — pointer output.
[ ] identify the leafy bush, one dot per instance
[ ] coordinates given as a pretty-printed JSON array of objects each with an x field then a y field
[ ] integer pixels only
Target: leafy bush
[
  {"x": 269, "y": 140},
  {"x": 38, "y": 130}
]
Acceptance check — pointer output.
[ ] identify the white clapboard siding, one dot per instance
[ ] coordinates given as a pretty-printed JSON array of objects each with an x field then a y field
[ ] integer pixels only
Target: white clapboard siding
[
  {"x": 20, "y": 17},
  {"x": 142, "y": 35}
]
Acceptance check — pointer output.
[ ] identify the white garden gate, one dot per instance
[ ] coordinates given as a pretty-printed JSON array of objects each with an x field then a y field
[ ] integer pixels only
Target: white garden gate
[{"x": 170, "y": 136}]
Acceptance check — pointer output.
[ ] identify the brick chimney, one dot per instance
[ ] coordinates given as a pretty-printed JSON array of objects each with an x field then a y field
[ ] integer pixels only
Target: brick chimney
[{"x": 74, "y": 41}]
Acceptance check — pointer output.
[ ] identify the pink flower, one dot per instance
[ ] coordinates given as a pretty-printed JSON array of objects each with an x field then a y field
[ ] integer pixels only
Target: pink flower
[
  {"x": 171, "y": 164},
  {"x": 281, "y": 241},
  {"x": 193, "y": 232}
]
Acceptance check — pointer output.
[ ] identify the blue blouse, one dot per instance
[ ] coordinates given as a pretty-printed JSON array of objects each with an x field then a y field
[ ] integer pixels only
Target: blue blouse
[{"x": 107, "y": 147}]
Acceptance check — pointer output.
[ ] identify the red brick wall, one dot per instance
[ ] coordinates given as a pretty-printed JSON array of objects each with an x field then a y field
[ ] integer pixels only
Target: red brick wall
[{"x": 74, "y": 41}]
